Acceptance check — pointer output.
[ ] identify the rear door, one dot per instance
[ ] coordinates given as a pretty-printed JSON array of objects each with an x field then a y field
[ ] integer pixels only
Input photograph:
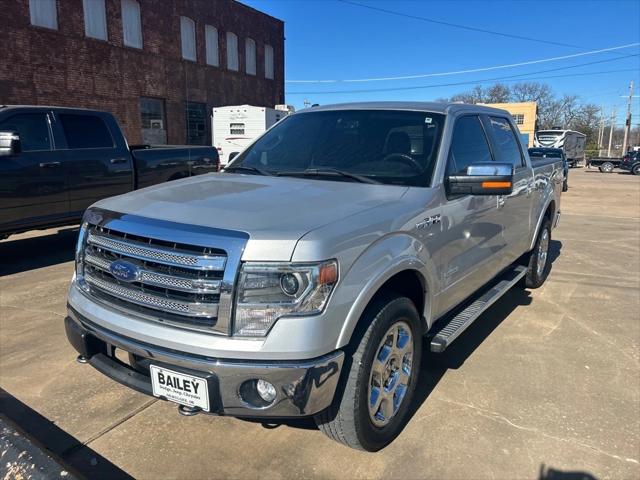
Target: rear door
[
  {"x": 98, "y": 162},
  {"x": 472, "y": 241},
  {"x": 514, "y": 208},
  {"x": 33, "y": 187}
]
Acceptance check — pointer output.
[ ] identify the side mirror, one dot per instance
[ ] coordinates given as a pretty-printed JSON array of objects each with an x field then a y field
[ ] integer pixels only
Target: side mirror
[
  {"x": 233, "y": 155},
  {"x": 482, "y": 179},
  {"x": 9, "y": 144}
]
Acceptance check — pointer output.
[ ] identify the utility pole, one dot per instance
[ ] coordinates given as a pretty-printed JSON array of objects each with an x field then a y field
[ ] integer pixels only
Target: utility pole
[
  {"x": 627, "y": 124},
  {"x": 601, "y": 131},
  {"x": 613, "y": 124}
]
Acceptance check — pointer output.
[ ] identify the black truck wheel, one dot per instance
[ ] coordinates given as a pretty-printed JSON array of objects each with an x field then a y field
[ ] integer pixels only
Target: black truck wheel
[
  {"x": 636, "y": 169},
  {"x": 378, "y": 379},
  {"x": 606, "y": 167},
  {"x": 539, "y": 264}
]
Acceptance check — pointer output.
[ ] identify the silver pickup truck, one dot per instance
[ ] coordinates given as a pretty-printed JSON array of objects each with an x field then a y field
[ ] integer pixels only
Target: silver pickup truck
[{"x": 304, "y": 279}]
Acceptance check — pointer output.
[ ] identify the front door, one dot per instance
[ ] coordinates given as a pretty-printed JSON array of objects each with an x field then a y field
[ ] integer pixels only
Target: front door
[
  {"x": 33, "y": 185},
  {"x": 471, "y": 241}
]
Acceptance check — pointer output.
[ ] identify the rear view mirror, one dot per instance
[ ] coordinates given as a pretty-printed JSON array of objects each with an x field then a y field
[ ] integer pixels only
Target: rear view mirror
[
  {"x": 482, "y": 179},
  {"x": 9, "y": 144}
]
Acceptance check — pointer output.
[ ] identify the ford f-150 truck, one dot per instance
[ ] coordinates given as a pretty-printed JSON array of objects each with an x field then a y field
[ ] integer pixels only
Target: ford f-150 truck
[
  {"x": 302, "y": 279},
  {"x": 55, "y": 162}
]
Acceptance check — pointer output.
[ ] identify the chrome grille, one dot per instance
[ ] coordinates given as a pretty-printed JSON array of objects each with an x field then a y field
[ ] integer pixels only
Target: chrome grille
[{"x": 175, "y": 283}]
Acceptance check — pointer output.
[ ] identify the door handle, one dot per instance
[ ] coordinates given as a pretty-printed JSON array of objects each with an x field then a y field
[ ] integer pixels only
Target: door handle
[
  {"x": 118, "y": 160},
  {"x": 49, "y": 164}
]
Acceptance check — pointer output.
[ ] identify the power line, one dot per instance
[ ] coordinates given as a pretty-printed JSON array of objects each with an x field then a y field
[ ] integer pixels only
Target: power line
[
  {"x": 471, "y": 82},
  {"x": 473, "y": 70},
  {"x": 457, "y": 25}
]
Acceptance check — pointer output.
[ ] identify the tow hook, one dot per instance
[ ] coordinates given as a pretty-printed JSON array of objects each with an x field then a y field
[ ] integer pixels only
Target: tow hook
[{"x": 188, "y": 411}]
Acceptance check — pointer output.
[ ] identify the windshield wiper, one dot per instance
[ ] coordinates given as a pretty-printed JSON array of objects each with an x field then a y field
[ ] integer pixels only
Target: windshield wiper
[
  {"x": 317, "y": 172},
  {"x": 246, "y": 168}
]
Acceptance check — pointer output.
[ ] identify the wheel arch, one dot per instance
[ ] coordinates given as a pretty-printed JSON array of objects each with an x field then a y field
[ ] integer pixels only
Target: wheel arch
[{"x": 407, "y": 276}]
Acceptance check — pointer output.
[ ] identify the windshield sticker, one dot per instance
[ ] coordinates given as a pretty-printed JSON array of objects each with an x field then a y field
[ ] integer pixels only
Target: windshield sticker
[{"x": 428, "y": 120}]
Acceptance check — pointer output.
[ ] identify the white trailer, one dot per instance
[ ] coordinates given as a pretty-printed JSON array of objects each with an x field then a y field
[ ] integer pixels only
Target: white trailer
[
  {"x": 571, "y": 142},
  {"x": 235, "y": 127}
]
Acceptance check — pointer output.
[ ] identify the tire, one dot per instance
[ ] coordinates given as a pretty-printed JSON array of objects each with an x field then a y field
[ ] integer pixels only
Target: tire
[
  {"x": 606, "y": 167},
  {"x": 636, "y": 169},
  {"x": 539, "y": 257},
  {"x": 348, "y": 420}
]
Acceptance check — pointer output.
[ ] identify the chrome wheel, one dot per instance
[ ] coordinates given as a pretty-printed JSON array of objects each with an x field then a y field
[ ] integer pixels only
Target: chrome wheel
[
  {"x": 543, "y": 250},
  {"x": 390, "y": 374}
]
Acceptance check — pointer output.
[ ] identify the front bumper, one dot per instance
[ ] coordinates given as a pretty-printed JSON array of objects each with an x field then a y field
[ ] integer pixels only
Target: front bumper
[{"x": 303, "y": 388}]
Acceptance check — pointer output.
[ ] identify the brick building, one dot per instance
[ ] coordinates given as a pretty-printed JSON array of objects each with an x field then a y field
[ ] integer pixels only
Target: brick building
[{"x": 158, "y": 65}]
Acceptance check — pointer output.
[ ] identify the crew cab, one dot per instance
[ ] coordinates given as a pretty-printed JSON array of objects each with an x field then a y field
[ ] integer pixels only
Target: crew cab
[
  {"x": 302, "y": 279},
  {"x": 55, "y": 162},
  {"x": 631, "y": 162}
]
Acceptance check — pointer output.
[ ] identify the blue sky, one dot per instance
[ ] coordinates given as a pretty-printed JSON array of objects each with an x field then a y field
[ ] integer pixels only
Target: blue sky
[{"x": 328, "y": 39}]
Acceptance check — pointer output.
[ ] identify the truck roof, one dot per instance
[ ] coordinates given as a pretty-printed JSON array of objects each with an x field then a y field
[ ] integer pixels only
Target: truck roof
[
  {"x": 52, "y": 107},
  {"x": 435, "y": 107}
]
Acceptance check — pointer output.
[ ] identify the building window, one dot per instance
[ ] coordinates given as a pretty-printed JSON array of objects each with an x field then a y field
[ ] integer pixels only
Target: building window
[
  {"x": 232, "y": 51},
  {"x": 196, "y": 123},
  {"x": 152, "y": 121},
  {"x": 95, "y": 19},
  {"x": 268, "y": 61},
  {"x": 250, "y": 55},
  {"x": 131, "y": 25},
  {"x": 43, "y": 13},
  {"x": 519, "y": 117},
  {"x": 211, "y": 41},
  {"x": 188, "y": 38},
  {"x": 236, "y": 129}
]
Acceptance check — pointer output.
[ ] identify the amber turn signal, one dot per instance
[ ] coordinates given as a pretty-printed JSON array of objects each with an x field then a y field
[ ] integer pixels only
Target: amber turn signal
[{"x": 496, "y": 184}]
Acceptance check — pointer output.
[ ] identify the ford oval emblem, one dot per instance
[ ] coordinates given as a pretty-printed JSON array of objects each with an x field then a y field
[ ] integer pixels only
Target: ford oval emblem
[{"x": 125, "y": 271}]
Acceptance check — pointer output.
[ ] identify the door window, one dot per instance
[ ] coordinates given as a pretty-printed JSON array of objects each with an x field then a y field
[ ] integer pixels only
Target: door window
[
  {"x": 33, "y": 129},
  {"x": 85, "y": 131},
  {"x": 506, "y": 142},
  {"x": 468, "y": 145}
]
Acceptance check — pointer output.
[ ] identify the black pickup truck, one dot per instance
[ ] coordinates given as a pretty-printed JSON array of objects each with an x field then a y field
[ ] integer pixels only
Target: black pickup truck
[{"x": 55, "y": 162}]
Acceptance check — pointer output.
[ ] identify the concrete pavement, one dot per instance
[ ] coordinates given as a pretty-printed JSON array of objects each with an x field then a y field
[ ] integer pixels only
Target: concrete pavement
[{"x": 545, "y": 384}]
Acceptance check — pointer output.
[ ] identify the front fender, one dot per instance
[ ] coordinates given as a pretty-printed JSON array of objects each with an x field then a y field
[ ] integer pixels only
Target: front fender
[{"x": 382, "y": 260}]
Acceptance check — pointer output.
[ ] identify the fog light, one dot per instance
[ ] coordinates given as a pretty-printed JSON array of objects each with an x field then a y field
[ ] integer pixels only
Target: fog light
[{"x": 266, "y": 391}]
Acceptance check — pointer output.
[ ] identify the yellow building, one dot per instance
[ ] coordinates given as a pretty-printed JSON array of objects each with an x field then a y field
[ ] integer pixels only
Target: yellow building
[{"x": 524, "y": 114}]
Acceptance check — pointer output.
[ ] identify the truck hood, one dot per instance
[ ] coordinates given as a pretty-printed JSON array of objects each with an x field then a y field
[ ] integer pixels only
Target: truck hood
[{"x": 274, "y": 211}]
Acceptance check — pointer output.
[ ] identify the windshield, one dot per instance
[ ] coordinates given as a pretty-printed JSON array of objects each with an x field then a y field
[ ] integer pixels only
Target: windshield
[
  {"x": 391, "y": 147},
  {"x": 542, "y": 153}
]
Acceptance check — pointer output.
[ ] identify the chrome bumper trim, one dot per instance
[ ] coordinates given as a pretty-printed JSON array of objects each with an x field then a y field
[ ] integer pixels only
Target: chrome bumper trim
[{"x": 304, "y": 387}]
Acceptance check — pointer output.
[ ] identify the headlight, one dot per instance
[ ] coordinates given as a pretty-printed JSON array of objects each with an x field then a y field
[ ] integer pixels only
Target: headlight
[{"x": 269, "y": 291}]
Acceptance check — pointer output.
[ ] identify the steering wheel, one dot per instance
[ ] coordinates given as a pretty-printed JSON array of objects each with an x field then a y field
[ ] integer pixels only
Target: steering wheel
[{"x": 403, "y": 158}]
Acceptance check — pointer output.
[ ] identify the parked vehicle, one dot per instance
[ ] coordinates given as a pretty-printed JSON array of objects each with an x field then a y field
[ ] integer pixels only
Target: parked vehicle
[
  {"x": 604, "y": 164},
  {"x": 235, "y": 127},
  {"x": 540, "y": 154},
  {"x": 55, "y": 162},
  {"x": 631, "y": 162},
  {"x": 571, "y": 142},
  {"x": 300, "y": 281}
]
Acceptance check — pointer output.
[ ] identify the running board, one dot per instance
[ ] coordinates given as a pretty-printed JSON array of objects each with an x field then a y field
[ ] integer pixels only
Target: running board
[{"x": 459, "y": 323}]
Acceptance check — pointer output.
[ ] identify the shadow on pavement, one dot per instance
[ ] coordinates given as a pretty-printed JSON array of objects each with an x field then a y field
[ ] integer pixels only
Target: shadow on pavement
[
  {"x": 553, "y": 474},
  {"x": 72, "y": 454},
  {"x": 29, "y": 253}
]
